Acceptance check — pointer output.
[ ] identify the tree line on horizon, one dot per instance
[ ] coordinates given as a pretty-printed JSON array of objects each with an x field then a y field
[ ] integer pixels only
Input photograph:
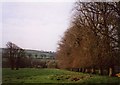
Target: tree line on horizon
[
  {"x": 16, "y": 57},
  {"x": 92, "y": 40}
]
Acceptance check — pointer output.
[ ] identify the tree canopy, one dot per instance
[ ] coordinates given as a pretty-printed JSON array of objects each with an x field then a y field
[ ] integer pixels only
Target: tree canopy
[{"x": 93, "y": 37}]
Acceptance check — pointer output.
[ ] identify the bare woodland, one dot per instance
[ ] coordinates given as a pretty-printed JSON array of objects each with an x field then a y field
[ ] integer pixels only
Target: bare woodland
[
  {"x": 92, "y": 40},
  {"x": 15, "y": 55}
]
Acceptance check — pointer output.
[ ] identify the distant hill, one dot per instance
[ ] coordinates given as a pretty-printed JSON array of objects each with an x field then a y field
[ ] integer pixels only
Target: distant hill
[
  {"x": 36, "y": 53},
  {"x": 40, "y": 54}
]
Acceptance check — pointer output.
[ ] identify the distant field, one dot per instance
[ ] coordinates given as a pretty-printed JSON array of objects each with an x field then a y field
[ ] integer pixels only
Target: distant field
[{"x": 32, "y": 75}]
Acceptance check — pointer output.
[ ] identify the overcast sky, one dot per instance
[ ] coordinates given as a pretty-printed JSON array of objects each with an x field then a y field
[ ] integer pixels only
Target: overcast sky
[{"x": 35, "y": 25}]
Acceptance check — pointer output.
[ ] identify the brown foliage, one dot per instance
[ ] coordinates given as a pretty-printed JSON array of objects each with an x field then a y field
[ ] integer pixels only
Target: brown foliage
[{"x": 93, "y": 37}]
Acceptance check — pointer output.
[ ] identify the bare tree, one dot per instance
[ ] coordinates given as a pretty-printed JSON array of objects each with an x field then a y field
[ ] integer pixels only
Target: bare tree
[{"x": 14, "y": 55}]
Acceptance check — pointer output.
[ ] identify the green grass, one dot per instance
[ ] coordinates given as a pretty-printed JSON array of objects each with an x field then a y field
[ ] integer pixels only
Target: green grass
[{"x": 32, "y": 75}]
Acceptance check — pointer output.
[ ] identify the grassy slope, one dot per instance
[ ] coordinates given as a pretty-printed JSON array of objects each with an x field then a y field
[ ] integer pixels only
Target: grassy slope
[{"x": 28, "y": 75}]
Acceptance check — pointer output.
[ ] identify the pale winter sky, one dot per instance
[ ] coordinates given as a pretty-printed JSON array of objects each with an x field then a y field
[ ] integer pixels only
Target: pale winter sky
[{"x": 35, "y": 25}]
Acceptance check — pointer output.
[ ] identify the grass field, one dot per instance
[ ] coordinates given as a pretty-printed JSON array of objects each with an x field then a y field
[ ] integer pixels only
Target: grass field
[{"x": 32, "y": 75}]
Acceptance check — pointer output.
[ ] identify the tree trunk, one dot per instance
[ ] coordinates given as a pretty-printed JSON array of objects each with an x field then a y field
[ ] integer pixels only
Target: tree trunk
[
  {"x": 93, "y": 70},
  {"x": 17, "y": 63},
  {"x": 12, "y": 65},
  {"x": 83, "y": 70},
  {"x": 100, "y": 71},
  {"x": 111, "y": 71},
  {"x": 80, "y": 69},
  {"x": 71, "y": 69},
  {"x": 17, "y": 68},
  {"x": 86, "y": 70},
  {"x": 77, "y": 69}
]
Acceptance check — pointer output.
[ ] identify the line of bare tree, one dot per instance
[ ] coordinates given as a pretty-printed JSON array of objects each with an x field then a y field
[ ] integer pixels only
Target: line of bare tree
[
  {"x": 93, "y": 38},
  {"x": 15, "y": 55}
]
